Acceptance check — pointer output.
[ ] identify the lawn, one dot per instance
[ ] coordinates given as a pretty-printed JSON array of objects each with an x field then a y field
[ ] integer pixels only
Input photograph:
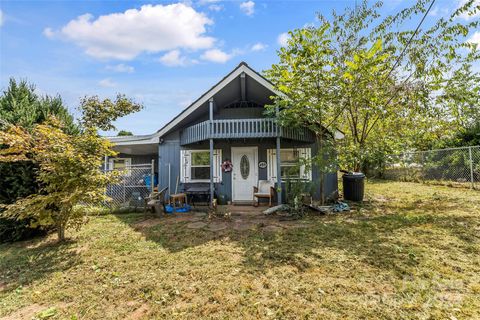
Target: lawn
[{"x": 411, "y": 251}]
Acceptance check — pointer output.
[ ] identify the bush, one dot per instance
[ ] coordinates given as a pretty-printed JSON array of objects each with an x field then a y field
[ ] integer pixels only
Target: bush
[{"x": 18, "y": 181}]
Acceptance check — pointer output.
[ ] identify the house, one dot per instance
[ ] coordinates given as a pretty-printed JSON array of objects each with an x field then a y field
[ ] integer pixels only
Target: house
[{"x": 227, "y": 125}]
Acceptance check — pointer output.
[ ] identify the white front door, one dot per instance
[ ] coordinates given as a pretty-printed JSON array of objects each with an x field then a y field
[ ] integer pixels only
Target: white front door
[{"x": 244, "y": 173}]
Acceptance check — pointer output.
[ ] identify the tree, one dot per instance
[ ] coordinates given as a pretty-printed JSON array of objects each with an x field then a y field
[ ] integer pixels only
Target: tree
[
  {"x": 308, "y": 100},
  {"x": 68, "y": 165},
  {"x": 357, "y": 73},
  {"x": 19, "y": 104},
  {"x": 124, "y": 133},
  {"x": 100, "y": 114}
]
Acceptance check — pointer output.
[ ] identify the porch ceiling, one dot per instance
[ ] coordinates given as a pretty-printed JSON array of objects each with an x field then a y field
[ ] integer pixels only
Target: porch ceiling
[{"x": 137, "y": 149}]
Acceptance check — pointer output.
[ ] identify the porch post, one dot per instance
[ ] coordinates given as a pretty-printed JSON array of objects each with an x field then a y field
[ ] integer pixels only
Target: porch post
[
  {"x": 279, "y": 171},
  {"x": 105, "y": 163},
  {"x": 210, "y": 106}
]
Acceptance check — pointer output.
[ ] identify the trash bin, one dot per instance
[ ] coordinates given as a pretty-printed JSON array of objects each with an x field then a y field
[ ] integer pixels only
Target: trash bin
[{"x": 353, "y": 186}]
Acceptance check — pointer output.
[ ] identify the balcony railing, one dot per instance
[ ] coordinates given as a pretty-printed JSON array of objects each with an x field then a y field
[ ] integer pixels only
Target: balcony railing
[{"x": 242, "y": 128}]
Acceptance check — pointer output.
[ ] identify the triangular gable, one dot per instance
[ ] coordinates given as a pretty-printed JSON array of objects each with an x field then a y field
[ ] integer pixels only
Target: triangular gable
[{"x": 241, "y": 68}]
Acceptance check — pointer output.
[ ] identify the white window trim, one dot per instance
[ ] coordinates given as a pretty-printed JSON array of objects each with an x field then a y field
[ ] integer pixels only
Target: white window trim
[
  {"x": 305, "y": 153},
  {"x": 186, "y": 165},
  {"x": 128, "y": 164}
]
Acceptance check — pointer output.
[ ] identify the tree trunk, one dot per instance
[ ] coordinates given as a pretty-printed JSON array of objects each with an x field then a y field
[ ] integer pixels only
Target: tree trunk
[
  {"x": 322, "y": 173},
  {"x": 61, "y": 232}
]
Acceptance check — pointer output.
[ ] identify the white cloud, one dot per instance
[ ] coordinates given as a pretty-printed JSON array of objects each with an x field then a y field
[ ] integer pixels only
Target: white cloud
[
  {"x": 215, "y": 7},
  {"x": 173, "y": 59},
  {"x": 438, "y": 11},
  {"x": 216, "y": 55},
  {"x": 152, "y": 28},
  {"x": 107, "y": 83},
  {"x": 465, "y": 15},
  {"x": 204, "y": 2},
  {"x": 121, "y": 68},
  {"x": 248, "y": 7},
  {"x": 259, "y": 47},
  {"x": 49, "y": 33},
  {"x": 2, "y": 19},
  {"x": 475, "y": 38},
  {"x": 283, "y": 39}
]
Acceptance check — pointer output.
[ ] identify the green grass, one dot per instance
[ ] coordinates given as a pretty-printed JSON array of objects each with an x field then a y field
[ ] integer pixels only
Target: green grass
[{"x": 411, "y": 251}]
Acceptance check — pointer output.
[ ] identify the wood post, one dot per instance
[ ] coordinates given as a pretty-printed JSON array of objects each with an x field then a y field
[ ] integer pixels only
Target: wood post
[
  {"x": 471, "y": 166},
  {"x": 152, "y": 176}
]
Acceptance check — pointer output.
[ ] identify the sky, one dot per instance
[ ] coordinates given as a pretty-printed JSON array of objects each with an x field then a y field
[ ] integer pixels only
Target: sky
[{"x": 163, "y": 54}]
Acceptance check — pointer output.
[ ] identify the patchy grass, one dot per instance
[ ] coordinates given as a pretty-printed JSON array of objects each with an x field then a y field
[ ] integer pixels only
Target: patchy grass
[{"x": 411, "y": 251}]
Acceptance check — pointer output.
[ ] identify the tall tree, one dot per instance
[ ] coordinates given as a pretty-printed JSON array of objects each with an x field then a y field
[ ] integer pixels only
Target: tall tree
[
  {"x": 68, "y": 165},
  {"x": 21, "y": 105},
  {"x": 373, "y": 78}
]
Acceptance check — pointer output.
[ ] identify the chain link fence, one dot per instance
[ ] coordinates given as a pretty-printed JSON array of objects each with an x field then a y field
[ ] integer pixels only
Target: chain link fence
[
  {"x": 454, "y": 167},
  {"x": 132, "y": 187}
]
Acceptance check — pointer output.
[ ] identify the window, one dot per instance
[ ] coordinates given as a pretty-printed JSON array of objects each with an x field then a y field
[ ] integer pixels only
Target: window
[
  {"x": 195, "y": 166},
  {"x": 200, "y": 168},
  {"x": 121, "y": 164},
  {"x": 289, "y": 159},
  {"x": 290, "y": 164}
]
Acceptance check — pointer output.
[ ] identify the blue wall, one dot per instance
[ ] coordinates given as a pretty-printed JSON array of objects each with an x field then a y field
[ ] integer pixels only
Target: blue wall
[{"x": 169, "y": 153}]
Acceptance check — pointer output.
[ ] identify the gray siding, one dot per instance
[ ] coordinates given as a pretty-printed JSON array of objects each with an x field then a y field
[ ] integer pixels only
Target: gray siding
[
  {"x": 169, "y": 157},
  {"x": 169, "y": 153}
]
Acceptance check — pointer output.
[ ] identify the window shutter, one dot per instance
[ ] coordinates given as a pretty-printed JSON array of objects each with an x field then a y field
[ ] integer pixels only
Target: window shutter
[
  {"x": 306, "y": 153},
  {"x": 272, "y": 164},
  {"x": 185, "y": 161},
  {"x": 217, "y": 164}
]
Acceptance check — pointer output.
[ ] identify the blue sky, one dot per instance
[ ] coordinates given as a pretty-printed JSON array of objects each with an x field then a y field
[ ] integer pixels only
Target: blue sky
[{"x": 163, "y": 54}]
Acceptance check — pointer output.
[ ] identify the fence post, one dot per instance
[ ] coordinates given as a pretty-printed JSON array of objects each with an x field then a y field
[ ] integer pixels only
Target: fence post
[
  {"x": 152, "y": 176},
  {"x": 471, "y": 166}
]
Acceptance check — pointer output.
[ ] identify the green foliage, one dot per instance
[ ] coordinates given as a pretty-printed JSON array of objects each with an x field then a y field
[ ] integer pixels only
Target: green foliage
[
  {"x": 297, "y": 193},
  {"x": 20, "y": 105},
  {"x": 67, "y": 161},
  {"x": 124, "y": 133},
  {"x": 355, "y": 73},
  {"x": 69, "y": 173},
  {"x": 100, "y": 114}
]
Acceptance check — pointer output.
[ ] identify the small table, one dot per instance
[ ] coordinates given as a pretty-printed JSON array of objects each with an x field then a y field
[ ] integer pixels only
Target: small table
[
  {"x": 197, "y": 190},
  {"x": 180, "y": 198}
]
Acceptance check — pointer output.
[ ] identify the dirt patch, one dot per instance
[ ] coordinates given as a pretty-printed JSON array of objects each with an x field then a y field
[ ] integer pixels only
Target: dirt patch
[
  {"x": 147, "y": 223},
  {"x": 25, "y": 313},
  {"x": 181, "y": 217},
  {"x": 196, "y": 225},
  {"x": 217, "y": 226},
  {"x": 272, "y": 228},
  {"x": 140, "y": 312}
]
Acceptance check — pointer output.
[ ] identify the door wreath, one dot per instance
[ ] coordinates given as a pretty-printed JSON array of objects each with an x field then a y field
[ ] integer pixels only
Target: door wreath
[{"x": 227, "y": 166}]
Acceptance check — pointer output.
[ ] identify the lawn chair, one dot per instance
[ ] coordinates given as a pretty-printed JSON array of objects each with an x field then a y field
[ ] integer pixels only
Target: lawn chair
[
  {"x": 155, "y": 201},
  {"x": 265, "y": 189}
]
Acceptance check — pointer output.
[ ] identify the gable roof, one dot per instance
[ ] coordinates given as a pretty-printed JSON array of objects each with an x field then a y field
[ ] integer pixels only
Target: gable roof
[{"x": 243, "y": 67}]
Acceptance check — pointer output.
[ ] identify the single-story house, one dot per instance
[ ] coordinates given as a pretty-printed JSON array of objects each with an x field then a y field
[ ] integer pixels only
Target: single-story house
[{"x": 225, "y": 142}]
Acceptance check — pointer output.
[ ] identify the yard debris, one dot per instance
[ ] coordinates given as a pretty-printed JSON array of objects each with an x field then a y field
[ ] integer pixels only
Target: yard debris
[
  {"x": 271, "y": 210},
  {"x": 321, "y": 209},
  {"x": 337, "y": 207},
  {"x": 340, "y": 207}
]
